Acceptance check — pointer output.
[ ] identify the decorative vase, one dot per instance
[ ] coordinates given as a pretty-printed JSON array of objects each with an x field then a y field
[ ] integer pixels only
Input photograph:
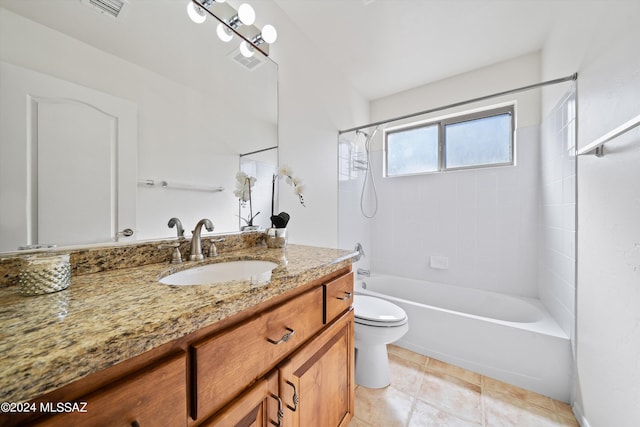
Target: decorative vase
[
  {"x": 276, "y": 237},
  {"x": 44, "y": 274}
]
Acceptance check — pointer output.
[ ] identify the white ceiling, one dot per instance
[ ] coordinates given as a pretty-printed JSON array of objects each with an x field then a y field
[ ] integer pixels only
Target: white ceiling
[
  {"x": 387, "y": 46},
  {"x": 381, "y": 46}
]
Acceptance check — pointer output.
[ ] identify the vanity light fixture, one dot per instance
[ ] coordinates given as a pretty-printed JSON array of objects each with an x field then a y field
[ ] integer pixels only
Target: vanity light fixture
[
  {"x": 268, "y": 35},
  {"x": 196, "y": 13},
  {"x": 245, "y": 16}
]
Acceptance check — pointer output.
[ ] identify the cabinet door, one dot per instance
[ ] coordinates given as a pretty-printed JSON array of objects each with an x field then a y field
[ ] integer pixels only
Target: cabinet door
[
  {"x": 260, "y": 406},
  {"x": 152, "y": 397},
  {"x": 317, "y": 383}
]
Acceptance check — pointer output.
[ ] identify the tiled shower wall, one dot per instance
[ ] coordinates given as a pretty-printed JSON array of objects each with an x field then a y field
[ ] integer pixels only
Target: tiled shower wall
[
  {"x": 557, "y": 238},
  {"x": 353, "y": 227},
  {"x": 475, "y": 228}
]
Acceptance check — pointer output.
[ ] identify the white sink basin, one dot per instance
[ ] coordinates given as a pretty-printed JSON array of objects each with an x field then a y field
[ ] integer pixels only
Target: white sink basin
[{"x": 258, "y": 272}]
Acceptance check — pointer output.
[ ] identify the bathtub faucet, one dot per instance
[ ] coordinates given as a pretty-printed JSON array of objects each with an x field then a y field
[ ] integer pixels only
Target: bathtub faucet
[
  {"x": 364, "y": 272},
  {"x": 360, "y": 252}
]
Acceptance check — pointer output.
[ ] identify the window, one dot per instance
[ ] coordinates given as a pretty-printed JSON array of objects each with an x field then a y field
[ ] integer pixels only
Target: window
[
  {"x": 412, "y": 151},
  {"x": 466, "y": 141}
]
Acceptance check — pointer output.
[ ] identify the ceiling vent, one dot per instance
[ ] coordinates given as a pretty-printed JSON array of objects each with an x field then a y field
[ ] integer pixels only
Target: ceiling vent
[
  {"x": 251, "y": 63},
  {"x": 112, "y": 8}
]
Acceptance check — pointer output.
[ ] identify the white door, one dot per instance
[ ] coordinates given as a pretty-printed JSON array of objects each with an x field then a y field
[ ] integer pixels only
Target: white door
[{"x": 73, "y": 150}]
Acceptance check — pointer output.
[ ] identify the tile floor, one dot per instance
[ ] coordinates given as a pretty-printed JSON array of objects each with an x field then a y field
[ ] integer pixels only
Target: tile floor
[{"x": 428, "y": 392}]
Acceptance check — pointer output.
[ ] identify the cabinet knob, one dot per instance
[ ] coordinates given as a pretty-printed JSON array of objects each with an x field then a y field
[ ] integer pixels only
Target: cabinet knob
[
  {"x": 135, "y": 424},
  {"x": 347, "y": 295},
  {"x": 284, "y": 338}
]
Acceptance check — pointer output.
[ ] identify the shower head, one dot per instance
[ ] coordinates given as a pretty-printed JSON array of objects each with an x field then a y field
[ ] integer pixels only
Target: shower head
[
  {"x": 359, "y": 132},
  {"x": 375, "y": 130}
]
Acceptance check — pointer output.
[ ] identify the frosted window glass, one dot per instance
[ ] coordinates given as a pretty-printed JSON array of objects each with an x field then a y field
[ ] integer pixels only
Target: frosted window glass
[
  {"x": 483, "y": 141},
  {"x": 412, "y": 151}
]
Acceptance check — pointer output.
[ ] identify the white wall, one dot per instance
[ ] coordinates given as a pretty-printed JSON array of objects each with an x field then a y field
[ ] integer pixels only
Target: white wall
[
  {"x": 484, "y": 220},
  {"x": 604, "y": 53},
  {"x": 315, "y": 102}
]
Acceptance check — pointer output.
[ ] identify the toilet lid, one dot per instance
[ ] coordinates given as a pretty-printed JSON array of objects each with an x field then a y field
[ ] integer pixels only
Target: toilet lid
[{"x": 377, "y": 312}]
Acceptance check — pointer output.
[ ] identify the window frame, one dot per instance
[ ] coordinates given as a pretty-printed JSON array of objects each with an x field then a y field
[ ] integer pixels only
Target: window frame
[{"x": 441, "y": 124}]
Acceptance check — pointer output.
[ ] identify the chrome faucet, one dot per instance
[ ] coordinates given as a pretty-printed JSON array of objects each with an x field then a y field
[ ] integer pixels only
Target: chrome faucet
[
  {"x": 196, "y": 242},
  {"x": 175, "y": 222}
]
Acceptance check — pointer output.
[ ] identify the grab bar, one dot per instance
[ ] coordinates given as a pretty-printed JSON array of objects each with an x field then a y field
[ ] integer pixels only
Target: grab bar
[{"x": 597, "y": 146}]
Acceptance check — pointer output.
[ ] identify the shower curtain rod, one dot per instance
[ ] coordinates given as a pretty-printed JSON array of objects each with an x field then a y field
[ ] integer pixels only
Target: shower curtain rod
[
  {"x": 258, "y": 151},
  {"x": 573, "y": 76}
]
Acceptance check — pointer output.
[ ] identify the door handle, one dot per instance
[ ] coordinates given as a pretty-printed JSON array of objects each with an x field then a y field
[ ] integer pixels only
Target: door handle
[{"x": 127, "y": 232}]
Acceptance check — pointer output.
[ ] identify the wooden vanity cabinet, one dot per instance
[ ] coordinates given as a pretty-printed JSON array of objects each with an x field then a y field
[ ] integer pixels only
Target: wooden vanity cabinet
[
  {"x": 154, "y": 396},
  {"x": 287, "y": 363},
  {"x": 313, "y": 387},
  {"x": 223, "y": 365},
  {"x": 315, "y": 366},
  {"x": 338, "y": 296},
  {"x": 317, "y": 383},
  {"x": 260, "y": 406}
]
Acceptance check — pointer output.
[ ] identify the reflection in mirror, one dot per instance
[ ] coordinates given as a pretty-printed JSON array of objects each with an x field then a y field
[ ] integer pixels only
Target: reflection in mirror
[
  {"x": 95, "y": 108},
  {"x": 261, "y": 165}
]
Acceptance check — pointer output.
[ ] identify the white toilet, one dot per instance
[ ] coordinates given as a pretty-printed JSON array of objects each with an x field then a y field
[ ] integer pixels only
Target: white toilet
[{"x": 377, "y": 323}]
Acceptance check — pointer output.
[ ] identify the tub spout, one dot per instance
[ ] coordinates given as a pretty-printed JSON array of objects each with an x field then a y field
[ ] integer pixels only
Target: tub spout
[{"x": 360, "y": 251}]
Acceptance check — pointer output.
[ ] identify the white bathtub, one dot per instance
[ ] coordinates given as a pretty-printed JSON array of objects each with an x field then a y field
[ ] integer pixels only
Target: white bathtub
[{"x": 509, "y": 338}]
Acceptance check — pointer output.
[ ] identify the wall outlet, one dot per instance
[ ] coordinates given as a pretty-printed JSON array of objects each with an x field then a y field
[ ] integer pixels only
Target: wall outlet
[{"x": 439, "y": 262}]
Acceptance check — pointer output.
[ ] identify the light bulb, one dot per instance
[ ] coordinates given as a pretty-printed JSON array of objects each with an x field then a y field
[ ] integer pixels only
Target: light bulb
[
  {"x": 246, "y": 50},
  {"x": 269, "y": 33},
  {"x": 224, "y": 33},
  {"x": 246, "y": 14},
  {"x": 196, "y": 13}
]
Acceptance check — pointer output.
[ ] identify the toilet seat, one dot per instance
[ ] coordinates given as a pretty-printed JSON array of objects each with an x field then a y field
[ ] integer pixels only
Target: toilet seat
[{"x": 377, "y": 312}]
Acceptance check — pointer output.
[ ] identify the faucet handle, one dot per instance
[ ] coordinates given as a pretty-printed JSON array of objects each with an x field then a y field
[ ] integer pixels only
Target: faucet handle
[
  {"x": 213, "y": 250},
  {"x": 176, "y": 256}
]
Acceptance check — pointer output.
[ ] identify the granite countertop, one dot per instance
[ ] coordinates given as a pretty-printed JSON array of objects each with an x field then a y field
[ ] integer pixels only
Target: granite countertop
[{"x": 48, "y": 341}]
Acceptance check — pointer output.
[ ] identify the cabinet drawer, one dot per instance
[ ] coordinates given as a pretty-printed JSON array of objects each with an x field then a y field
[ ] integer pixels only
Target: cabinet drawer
[
  {"x": 338, "y": 296},
  {"x": 226, "y": 363},
  {"x": 154, "y": 396}
]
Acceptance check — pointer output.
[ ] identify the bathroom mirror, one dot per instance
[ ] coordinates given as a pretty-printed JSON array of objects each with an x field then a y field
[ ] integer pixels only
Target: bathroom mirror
[{"x": 110, "y": 124}]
